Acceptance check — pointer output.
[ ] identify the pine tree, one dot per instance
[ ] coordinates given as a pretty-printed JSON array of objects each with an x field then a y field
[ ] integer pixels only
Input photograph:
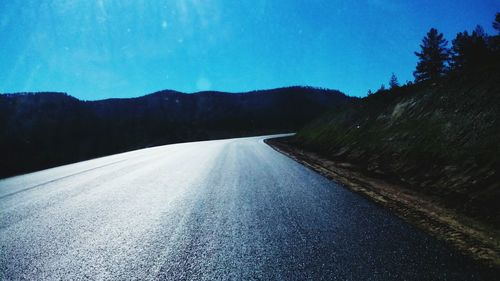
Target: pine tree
[
  {"x": 496, "y": 23},
  {"x": 470, "y": 50},
  {"x": 393, "y": 82},
  {"x": 433, "y": 57},
  {"x": 479, "y": 32},
  {"x": 382, "y": 88},
  {"x": 460, "y": 49},
  {"x": 494, "y": 41}
]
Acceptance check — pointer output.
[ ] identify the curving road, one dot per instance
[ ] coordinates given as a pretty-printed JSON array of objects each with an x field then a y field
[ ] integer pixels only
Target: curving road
[{"x": 215, "y": 210}]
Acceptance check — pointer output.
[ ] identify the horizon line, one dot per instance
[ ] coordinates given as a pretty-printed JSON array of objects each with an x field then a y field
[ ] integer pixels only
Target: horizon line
[{"x": 178, "y": 92}]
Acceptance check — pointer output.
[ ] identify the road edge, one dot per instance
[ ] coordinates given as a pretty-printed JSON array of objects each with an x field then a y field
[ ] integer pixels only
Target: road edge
[{"x": 425, "y": 213}]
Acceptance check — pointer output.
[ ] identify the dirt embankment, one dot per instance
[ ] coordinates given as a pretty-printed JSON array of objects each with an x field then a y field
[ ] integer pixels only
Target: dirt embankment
[{"x": 479, "y": 240}]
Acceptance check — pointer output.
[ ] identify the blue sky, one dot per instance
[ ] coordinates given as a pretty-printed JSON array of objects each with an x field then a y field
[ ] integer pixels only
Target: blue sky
[{"x": 95, "y": 49}]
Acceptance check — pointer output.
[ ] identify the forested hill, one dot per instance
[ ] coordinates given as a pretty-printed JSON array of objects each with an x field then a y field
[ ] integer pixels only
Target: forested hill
[{"x": 40, "y": 130}]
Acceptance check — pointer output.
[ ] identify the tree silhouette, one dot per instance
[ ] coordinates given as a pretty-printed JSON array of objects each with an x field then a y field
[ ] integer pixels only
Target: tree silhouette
[
  {"x": 470, "y": 50},
  {"x": 382, "y": 88},
  {"x": 460, "y": 49},
  {"x": 393, "y": 82},
  {"x": 433, "y": 56},
  {"x": 494, "y": 41},
  {"x": 496, "y": 23}
]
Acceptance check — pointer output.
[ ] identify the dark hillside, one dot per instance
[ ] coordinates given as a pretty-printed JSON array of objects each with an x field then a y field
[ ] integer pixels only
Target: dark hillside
[
  {"x": 440, "y": 138},
  {"x": 47, "y": 129}
]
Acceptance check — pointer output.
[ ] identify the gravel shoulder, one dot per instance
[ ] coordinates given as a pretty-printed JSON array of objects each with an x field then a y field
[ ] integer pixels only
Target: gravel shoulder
[{"x": 479, "y": 241}]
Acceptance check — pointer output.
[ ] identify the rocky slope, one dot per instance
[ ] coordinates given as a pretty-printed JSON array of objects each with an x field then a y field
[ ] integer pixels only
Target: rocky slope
[{"x": 439, "y": 138}]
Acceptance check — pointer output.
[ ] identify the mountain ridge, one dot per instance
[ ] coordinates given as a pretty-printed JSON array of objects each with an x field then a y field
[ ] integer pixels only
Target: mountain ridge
[
  {"x": 175, "y": 92},
  {"x": 41, "y": 130}
]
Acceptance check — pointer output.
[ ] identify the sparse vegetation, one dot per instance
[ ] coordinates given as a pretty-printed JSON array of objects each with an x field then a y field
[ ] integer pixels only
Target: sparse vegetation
[{"x": 440, "y": 138}]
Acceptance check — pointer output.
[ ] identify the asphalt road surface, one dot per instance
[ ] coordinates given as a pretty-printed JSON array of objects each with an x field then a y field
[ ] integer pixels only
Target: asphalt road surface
[{"x": 216, "y": 210}]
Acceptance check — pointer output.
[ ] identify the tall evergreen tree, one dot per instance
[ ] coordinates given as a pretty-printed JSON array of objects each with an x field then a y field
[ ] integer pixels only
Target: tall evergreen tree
[
  {"x": 494, "y": 41},
  {"x": 393, "y": 82},
  {"x": 433, "y": 56},
  {"x": 470, "y": 50},
  {"x": 460, "y": 50},
  {"x": 496, "y": 23}
]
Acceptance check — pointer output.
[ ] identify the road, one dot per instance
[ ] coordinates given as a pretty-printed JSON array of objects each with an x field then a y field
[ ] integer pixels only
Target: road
[{"x": 230, "y": 209}]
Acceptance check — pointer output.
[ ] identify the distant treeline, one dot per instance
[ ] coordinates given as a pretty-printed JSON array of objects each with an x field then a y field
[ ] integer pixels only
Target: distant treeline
[{"x": 40, "y": 130}]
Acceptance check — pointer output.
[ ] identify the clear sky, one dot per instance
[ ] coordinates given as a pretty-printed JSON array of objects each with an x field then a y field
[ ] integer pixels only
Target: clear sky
[{"x": 95, "y": 49}]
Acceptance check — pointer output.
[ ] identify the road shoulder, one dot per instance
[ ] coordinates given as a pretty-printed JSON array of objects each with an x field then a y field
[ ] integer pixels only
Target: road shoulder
[{"x": 465, "y": 234}]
